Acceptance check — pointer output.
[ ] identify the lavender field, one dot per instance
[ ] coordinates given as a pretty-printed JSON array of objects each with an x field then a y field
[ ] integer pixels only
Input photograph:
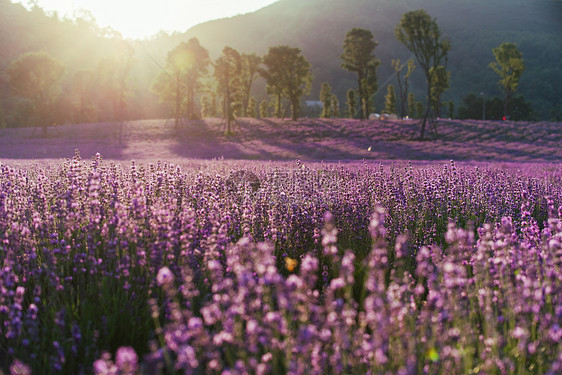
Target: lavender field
[{"x": 225, "y": 267}]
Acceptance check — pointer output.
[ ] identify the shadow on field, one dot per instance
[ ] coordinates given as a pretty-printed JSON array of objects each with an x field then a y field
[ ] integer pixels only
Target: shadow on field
[
  {"x": 62, "y": 141},
  {"x": 284, "y": 139}
]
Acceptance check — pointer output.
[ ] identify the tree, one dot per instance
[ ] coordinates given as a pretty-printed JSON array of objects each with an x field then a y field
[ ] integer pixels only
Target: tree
[
  {"x": 335, "y": 107},
  {"x": 420, "y": 112},
  {"x": 111, "y": 80},
  {"x": 249, "y": 73},
  {"x": 451, "y": 109},
  {"x": 227, "y": 73},
  {"x": 411, "y": 105},
  {"x": 351, "y": 103},
  {"x": 251, "y": 109},
  {"x": 288, "y": 72},
  {"x": 421, "y": 35},
  {"x": 390, "y": 100},
  {"x": 358, "y": 57},
  {"x": 403, "y": 85},
  {"x": 124, "y": 63},
  {"x": 179, "y": 83},
  {"x": 82, "y": 89},
  {"x": 207, "y": 109},
  {"x": 509, "y": 66},
  {"x": 263, "y": 107},
  {"x": 326, "y": 99},
  {"x": 521, "y": 110},
  {"x": 472, "y": 107},
  {"x": 439, "y": 83},
  {"x": 35, "y": 76}
]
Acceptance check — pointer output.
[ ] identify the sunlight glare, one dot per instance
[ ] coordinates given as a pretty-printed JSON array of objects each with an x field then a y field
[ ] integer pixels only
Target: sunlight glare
[{"x": 141, "y": 19}]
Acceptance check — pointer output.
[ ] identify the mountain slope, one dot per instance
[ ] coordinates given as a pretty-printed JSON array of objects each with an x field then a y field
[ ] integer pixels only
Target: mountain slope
[{"x": 318, "y": 27}]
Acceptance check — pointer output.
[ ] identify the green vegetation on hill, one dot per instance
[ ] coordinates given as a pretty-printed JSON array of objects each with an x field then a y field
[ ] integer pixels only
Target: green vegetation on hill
[{"x": 317, "y": 27}]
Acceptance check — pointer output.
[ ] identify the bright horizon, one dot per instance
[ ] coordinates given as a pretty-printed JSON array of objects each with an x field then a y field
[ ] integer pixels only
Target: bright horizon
[{"x": 149, "y": 17}]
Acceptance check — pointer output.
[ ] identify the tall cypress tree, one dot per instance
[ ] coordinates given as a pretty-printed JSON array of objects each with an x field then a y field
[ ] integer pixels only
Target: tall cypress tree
[{"x": 358, "y": 57}]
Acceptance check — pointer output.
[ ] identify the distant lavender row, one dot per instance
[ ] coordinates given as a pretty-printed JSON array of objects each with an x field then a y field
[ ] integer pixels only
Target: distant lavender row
[{"x": 140, "y": 261}]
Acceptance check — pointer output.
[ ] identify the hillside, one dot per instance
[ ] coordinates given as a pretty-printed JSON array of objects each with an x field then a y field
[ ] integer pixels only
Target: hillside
[
  {"x": 274, "y": 139},
  {"x": 319, "y": 27}
]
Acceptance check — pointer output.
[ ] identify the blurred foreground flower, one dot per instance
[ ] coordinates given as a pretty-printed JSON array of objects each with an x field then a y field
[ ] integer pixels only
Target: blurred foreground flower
[
  {"x": 19, "y": 368},
  {"x": 291, "y": 264},
  {"x": 164, "y": 277}
]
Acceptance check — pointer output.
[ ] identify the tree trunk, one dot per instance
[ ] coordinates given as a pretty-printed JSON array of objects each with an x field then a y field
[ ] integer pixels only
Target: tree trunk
[
  {"x": 295, "y": 108},
  {"x": 278, "y": 110},
  {"x": 177, "y": 114},
  {"x": 227, "y": 108},
  {"x": 427, "y": 108},
  {"x": 362, "y": 114},
  {"x": 506, "y": 99}
]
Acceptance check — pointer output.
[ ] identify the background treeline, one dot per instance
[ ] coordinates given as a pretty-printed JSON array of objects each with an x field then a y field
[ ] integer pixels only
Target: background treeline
[{"x": 94, "y": 58}]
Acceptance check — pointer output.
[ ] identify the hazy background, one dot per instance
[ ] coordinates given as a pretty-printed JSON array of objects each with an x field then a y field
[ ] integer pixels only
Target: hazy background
[{"x": 317, "y": 27}]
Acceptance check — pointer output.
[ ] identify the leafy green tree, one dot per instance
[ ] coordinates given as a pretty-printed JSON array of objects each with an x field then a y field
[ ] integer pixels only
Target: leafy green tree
[
  {"x": 206, "y": 107},
  {"x": 421, "y": 35},
  {"x": 227, "y": 73},
  {"x": 439, "y": 83},
  {"x": 178, "y": 84},
  {"x": 125, "y": 60},
  {"x": 326, "y": 99},
  {"x": 472, "y": 107},
  {"x": 106, "y": 89},
  {"x": 264, "y": 109},
  {"x": 196, "y": 60},
  {"x": 403, "y": 84},
  {"x": 335, "y": 107},
  {"x": 288, "y": 71},
  {"x": 451, "y": 109},
  {"x": 249, "y": 72},
  {"x": 35, "y": 76},
  {"x": 351, "y": 103},
  {"x": 509, "y": 66},
  {"x": 358, "y": 57},
  {"x": 420, "y": 112},
  {"x": 111, "y": 81},
  {"x": 521, "y": 110},
  {"x": 251, "y": 109},
  {"x": 390, "y": 100},
  {"x": 82, "y": 87},
  {"x": 411, "y": 105},
  {"x": 276, "y": 104}
]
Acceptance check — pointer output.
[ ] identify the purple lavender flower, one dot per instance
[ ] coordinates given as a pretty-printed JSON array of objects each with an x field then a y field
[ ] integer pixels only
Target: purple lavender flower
[
  {"x": 165, "y": 277},
  {"x": 19, "y": 368},
  {"x": 126, "y": 360}
]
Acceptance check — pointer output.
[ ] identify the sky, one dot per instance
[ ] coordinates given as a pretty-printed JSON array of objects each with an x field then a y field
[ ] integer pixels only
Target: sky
[{"x": 138, "y": 19}]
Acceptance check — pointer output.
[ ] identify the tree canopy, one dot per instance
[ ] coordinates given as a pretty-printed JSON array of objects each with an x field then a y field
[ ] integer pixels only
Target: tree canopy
[
  {"x": 288, "y": 73},
  {"x": 358, "y": 57},
  {"x": 509, "y": 66},
  {"x": 179, "y": 82},
  {"x": 34, "y": 76},
  {"x": 420, "y": 34},
  {"x": 227, "y": 73}
]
